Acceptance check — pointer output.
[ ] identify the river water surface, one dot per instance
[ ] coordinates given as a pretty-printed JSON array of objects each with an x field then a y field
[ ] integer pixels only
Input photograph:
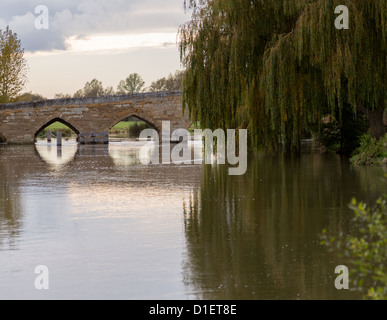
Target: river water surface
[{"x": 108, "y": 227}]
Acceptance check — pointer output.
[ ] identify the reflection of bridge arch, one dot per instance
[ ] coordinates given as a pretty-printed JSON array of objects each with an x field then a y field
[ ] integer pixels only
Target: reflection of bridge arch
[
  {"x": 20, "y": 122},
  {"x": 53, "y": 121},
  {"x": 56, "y": 156}
]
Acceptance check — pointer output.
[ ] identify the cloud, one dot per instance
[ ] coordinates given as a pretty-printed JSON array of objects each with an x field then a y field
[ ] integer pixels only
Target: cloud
[
  {"x": 120, "y": 43},
  {"x": 34, "y": 39},
  {"x": 83, "y": 19}
]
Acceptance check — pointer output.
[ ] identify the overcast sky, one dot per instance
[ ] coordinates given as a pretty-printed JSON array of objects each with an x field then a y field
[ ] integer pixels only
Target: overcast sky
[{"x": 103, "y": 39}]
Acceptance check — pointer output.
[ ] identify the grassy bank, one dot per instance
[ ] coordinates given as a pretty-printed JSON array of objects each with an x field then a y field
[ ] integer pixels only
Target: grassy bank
[
  {"x": 128, "y": 129},
  {"x": 371, "y": 152},
  {"x": 55, "y": 127}
]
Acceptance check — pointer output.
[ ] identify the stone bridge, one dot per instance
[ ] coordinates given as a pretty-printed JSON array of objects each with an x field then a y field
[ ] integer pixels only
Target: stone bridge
[{"x": 20, "y": 123}]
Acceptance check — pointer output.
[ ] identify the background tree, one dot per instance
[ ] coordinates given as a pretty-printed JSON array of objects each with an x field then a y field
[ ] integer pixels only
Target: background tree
[
  {"x": 79, "y": 94},
  {"x": 174, "y": 82},
  {"x": 62, "y": 96},
  {"x": 109, "y": 91},
  {"x": 277, "y": 67},
  {"x": 132, "y": 84},
  {"x": 158, "y": 85},
  {"x": 29, "y": 96},
  {"x": 93, "y": 89},
  {"x": 13, "y": 66}
]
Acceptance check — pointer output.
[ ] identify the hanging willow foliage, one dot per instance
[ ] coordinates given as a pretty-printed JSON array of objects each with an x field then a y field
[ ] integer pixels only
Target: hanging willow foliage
[{"x": 277, "y": 66}]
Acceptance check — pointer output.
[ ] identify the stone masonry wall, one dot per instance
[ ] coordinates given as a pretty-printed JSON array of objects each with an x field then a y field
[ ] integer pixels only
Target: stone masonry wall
[{"x": 21, "y": 122}]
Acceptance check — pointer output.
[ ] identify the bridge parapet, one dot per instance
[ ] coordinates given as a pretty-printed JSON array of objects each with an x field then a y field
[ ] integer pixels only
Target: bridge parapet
[{"x": 86, "y": 101}]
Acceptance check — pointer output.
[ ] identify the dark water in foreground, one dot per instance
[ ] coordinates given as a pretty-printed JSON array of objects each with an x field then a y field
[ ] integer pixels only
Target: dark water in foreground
[{"x": 108, "y": 227}]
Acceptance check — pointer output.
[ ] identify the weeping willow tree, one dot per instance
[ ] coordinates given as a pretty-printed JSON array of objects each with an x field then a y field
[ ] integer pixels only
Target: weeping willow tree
[{"x": 278, "y": 66}]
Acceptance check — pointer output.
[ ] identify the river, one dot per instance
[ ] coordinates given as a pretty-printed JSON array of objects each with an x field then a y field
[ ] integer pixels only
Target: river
[{"x": 108, "y": 227}]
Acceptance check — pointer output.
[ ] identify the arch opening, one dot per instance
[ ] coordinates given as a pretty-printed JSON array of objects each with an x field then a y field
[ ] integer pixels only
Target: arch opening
[
  {"x": 3, "y": 140},
  {"x": 194, "y": 126},
  {"x": 56, "y": 125},
  {"x": 129, "y": 128}
]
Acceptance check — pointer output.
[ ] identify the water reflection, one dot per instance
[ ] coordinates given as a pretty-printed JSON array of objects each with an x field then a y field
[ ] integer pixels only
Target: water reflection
[
  {"x": 125, "y": 153},
  {"x": 113, "y": 228},
  {"x": 256, "y": 236},
  {"x": 10, "y": 205},
  {"x": 57, "y": 156},
  {"x": 107, "y": 230},
  {"x": 372, "y": 179}
]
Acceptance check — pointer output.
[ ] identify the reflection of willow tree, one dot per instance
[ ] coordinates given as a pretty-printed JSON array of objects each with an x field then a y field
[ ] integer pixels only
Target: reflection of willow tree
[
  {"x": 257, "y": 236},
  {"x": 371, "y": 179},
  {"x": 10, "y": 212}
]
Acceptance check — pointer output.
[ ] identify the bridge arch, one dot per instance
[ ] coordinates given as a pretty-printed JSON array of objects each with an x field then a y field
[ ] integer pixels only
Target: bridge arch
[
  {"x": 76, "y": 131},
  {"x": 2, "y": 139}
]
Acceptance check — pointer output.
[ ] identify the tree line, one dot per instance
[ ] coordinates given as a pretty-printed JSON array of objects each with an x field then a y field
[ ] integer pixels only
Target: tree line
[
  {"x": 13, "y": 70},
  {"x": 132, "y": 84}
]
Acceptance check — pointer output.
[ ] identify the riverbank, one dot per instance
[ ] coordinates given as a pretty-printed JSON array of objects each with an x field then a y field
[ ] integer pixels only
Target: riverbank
[{"x": 371, "y": 152}]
